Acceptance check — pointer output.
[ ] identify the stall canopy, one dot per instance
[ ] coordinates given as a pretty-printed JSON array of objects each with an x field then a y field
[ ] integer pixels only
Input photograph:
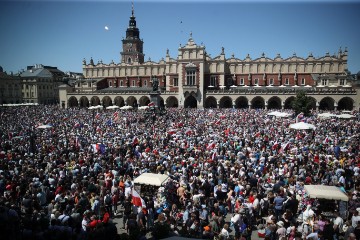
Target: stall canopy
[
  {"x": 151, "y": 179},
  {"x": 326, "y": 192}
]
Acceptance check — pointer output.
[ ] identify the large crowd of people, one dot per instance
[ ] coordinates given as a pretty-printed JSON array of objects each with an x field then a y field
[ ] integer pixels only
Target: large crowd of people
[{"x": 67, "y": 173}]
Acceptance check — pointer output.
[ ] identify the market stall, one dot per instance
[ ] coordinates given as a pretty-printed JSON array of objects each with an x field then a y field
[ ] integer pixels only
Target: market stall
[
  {"x": 327, "y": 199},
  {"x": 149, "y": 183}
]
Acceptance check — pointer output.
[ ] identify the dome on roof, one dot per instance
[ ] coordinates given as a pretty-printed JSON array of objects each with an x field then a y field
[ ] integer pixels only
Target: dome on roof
[{"x": 1, "y": 69}]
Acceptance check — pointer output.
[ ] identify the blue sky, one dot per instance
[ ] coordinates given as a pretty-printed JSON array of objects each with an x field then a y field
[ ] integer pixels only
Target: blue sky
[{"x": 62, "y": 33}]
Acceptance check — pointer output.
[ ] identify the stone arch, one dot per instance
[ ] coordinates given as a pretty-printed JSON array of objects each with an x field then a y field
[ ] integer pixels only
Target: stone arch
[
  {"x": 242, "y": 102},
  {"x": 162, "y": 103},
  {"x": 131, "y": 101},
  {"x": 210, "y": 102},
  {"x": 274, "y": 103},
  {"x": 288, "y": 102},
  {"x": 144, "y": 101},
  {"x": 84, "y": 102},
  {"x": 346, "y": 103},
  {"x": 186, "y": 94},
  {"x": 190, "y": 102},
  {"x": 95, "y": 100},
  {"x": 313, "y": 103},
  {"x": 327, "y": 103},
  {"x": 172, "y": 102},
  {"x": 225, "y": 102},
  {"x": 73, "y": 102},
  {"x": 193, "y": 94},
  {"x": 258, "y": 102},
  {"x": 107, "y": 101},
  {"x": 119, "y": 101}
]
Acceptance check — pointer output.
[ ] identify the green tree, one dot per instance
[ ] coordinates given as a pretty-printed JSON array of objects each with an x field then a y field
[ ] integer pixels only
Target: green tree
[{"x": 302, "y": 103}]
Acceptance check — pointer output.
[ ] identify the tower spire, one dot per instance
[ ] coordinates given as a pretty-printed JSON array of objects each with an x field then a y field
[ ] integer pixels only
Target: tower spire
[{"x": 132, "y": 8}]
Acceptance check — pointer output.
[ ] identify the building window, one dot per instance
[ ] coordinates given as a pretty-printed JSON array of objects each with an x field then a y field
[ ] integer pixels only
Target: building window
[
  {"x": 342, "y": 82},
  {"x": 324, "y": 82},
  {"x": 213, "y": 81},
  {"x": 121, "y": 83},
  {"x": 271, "y": 81},
  {"x": 110, "y": 84},
  {"x": 303, "y": 82},
  {"x": 256, "y": 81},
  {"x": 129, "y": 60},
  {"x": 145, "y": 83},
  {"x": 133, "y": 83},
  {"x": 190, "y": 77},
  {"x": 286, "y": 81},
  {"x": 176, "y": 82},
  {"x": 89, "y": 84},
  {"x": 241, "y": 81}
]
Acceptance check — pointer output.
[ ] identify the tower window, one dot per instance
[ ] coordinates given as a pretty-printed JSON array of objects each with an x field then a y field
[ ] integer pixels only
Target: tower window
[
  {"x": 133, "y": 83},
  {"x": 271, "y": 81},
  {"x": 121, "y": 83},
  {"x": 256, "y": 81},
  {"x": 286, "y": 81},
  {"x": 145, "y": 83},
  {"x": 190, "y": 77},
  {"x": 129, "y": 60},
  {"x": 342, "y": 82},
  {"x": 213, "y": 81},
  {"x": 241, "y": 81}
]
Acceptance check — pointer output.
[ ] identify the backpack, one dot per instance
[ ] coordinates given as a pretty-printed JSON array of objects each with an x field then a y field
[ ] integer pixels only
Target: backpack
[{"x": 108, "y": 199}]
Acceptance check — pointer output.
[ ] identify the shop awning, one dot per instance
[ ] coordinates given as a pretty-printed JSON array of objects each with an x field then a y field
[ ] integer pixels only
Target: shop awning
[
  {"x": 326, "y": 192},
  {"x": 151, "y": 179}
]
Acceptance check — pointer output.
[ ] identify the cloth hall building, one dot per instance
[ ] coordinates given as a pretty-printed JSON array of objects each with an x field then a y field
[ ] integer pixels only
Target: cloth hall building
[{"x": 196, "y": 80}]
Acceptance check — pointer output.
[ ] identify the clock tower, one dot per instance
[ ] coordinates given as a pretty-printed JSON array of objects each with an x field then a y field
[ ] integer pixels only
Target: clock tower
[{"x": 132, "y": 45}]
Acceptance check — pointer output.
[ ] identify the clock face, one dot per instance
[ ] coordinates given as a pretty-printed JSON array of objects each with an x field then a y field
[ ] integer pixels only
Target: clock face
[{"x": 129, "y": 44}]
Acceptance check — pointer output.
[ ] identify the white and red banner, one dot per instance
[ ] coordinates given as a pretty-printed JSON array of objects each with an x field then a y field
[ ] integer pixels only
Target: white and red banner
[{"x": 137, "y": 200}]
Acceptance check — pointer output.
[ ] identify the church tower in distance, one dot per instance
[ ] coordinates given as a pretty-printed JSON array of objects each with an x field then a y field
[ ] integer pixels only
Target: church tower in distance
[{"x": 132, "y": 45}]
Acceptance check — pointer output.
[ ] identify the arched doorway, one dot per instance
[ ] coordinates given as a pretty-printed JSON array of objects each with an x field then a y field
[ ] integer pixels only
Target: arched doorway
[
  {"x": 190, "y": 102},
  {"x": 288, "y": 102},
  {"x": 346, "y": 103},
  {"x": 131, "y": 101},
  {"x": 162, "y": 103},
  {"x": 84, "y": 102},
  {"x": 107, "y": 101},
  {"x": 172, "y": 102},
  {"x": 119, "y": 101},
  {"x": 73, "y": 102},
  {"x": 313, "y": 103},
  {"x": 258, "y": 102},
  {"x": 144, "y": 101},
  {"x": 225, "y": 102},
  {"x": 95, "y": 101},
  {"x": 327, "y": 104},
  {"x": 274, "y": 103},
  {"x": 210, "y": 102},
  {"x": 242, "y": 102}
]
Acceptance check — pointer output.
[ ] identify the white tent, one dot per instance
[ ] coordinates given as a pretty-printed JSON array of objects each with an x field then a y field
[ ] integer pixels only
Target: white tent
[
  {"x": 95, "y": 107},
  {"x": 345, "y": 116},
  {"x": 112, "y": 107},
  {"x": 44, "y": 126},
  {"x": 126, "y": 107},
  {"x": 302, "y": 126},
  {"x": 151, "y": 179},
  {"x": 326, "y": 115},
  {"x": 326, "y": 192}
]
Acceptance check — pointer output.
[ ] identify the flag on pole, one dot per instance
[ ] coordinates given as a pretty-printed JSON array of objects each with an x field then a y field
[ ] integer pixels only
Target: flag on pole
[{"x": 151, "y": 104}]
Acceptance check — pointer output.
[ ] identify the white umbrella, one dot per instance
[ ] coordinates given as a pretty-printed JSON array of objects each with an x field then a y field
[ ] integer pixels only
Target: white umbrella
[
  {"x": 143, "y": 107},
  {"x": 302, "y": 126},
  {"x": 283, "y": 114},
  {"x": 273, "y": 113},
  {"x": 44, "y": 126},
  {"x": 307, "y": 86},
  {"x": 345, "y": 116},
  {"x": 126, "y": 107},
  {"x": 326, "y": 115},
  {"x": 96, "y": 107},
  {"x": 112, "y": 107}
]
